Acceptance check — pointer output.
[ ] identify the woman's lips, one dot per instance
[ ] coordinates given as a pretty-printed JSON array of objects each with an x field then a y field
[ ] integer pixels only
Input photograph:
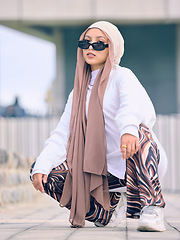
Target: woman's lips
[{"x": 90, "y": 54}]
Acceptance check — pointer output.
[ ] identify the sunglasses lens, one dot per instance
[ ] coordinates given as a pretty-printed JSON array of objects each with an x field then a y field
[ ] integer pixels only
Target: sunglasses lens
[
  {"x": 98, "y": 46},
  {"x": 83, "y": 44}
]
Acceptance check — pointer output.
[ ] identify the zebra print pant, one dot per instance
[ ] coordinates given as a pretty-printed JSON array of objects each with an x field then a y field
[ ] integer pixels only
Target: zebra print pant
[
  {"x": 142, "y": 182},
  {"x": 143, "y": 186},
  {"x": 55, "y": 184}
]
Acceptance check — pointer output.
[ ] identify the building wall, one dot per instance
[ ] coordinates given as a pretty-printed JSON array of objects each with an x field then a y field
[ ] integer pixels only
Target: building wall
[
  {"x": 70, "y": 11},
  {"x": 150, "y": 52}
]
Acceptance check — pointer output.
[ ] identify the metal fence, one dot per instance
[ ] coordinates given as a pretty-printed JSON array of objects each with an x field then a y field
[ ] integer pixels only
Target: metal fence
[{"x": 27, "y": 136}]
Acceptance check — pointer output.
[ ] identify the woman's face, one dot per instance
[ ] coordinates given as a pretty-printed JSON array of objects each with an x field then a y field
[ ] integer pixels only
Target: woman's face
[{"x": 95, "y": 58}]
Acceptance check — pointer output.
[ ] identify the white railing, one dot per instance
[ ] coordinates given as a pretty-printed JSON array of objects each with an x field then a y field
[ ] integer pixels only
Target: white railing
[
  {"x": 27, "y": 136},
  {"x": 167, "y": 129}
]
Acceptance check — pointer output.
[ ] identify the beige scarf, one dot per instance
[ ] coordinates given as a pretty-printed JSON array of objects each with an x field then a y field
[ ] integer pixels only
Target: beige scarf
[{"x": 86, "y": 153}]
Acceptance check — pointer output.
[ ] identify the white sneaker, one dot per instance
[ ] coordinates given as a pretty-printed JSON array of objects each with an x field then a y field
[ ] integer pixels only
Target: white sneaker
[
  {"x": 151, "y": 219},
  {"x": 118, "y": 215},
  {"x": 120, "y": 212}
]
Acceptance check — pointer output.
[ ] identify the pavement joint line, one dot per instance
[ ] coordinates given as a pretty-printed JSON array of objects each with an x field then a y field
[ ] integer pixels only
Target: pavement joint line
[
  {"x": 126, "y": 231},
  {"x": 173, "y": 227},
  {"x": 74, "y": 230},
  {"x": 16, "y": 234},
  {"x": 34, "y": 226}
]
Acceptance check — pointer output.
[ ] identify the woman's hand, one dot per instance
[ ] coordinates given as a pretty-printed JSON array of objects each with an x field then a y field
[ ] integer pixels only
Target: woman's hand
[
  {"x": 129, "y": 145},
  {"x": 37, "y": 181}
]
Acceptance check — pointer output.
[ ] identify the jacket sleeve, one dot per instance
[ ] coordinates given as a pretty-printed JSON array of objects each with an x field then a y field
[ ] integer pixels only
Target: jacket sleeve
[
  {"x": 55, "y": 149},
  {"x": 135, "y": 105}
]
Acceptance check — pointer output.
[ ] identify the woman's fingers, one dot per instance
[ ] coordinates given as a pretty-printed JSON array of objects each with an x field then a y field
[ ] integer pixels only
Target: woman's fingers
[
  {"x": 45, "y": 179},
  {"x": 129, "y": 145},
  {"x": 132, "y": 149},
  {"x": 37, "y": 182},
  {"x": 123, "y": 150},
  {"x": 137, "y": 145},
  {"x": 129, "y": 150}
]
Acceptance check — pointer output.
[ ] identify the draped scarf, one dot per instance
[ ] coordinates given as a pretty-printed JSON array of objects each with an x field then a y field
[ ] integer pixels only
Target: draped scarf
[{"x": 86, "y": 151}]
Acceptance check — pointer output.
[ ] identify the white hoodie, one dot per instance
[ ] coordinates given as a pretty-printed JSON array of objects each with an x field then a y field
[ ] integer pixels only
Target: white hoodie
[{"x": 125, "y": 106}]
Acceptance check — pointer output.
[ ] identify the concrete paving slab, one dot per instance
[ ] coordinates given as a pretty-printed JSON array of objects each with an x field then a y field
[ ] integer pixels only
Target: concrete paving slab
[{"x": 44, "y": 219}]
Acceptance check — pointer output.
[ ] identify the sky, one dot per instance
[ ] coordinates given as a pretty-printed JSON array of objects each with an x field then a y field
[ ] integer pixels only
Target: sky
[{"x": 27, "y": 69}]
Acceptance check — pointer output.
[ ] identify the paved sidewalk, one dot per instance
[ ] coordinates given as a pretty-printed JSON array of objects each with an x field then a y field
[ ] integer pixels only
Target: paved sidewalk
[{"x": 44, "y": 219}]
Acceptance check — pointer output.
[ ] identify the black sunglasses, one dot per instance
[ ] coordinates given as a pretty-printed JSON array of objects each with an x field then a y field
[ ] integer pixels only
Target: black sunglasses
[{"x": 97, "y": 46}]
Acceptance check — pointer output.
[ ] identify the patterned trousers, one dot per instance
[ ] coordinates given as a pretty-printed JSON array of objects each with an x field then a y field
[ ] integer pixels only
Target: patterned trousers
[
  {"x": 55, "y": 184},
  {"x": 142, "y": 182}
]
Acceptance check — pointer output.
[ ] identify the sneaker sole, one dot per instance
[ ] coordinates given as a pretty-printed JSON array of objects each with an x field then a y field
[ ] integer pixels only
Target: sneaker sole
[
  {"x": 146, "y": 228},
  {"x": 98, "y": 224}
]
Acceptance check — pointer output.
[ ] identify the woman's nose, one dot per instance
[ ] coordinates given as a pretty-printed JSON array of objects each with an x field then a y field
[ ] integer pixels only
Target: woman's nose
[{"x": 90, "y": 47}]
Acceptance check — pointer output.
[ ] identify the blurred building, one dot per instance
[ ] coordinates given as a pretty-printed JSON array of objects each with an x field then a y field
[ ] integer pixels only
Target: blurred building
[
  {"x": 151, "y": 30},
  {"x": 14, "y": 110}
]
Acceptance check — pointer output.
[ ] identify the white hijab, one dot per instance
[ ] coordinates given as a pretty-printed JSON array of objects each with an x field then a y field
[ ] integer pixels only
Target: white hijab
[{"x": 115, "y": 36}]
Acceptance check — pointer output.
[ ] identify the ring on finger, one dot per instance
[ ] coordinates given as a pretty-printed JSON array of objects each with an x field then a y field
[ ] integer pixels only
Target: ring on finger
[{"x": 124, "y": 146}]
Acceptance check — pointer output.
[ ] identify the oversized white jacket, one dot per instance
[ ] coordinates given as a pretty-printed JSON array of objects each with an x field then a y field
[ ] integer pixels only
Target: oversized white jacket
[{"x": 125, "y": 105}]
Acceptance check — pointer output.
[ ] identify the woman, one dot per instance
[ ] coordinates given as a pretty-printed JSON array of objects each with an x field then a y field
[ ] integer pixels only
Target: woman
[{"x": 103, "y": 142}]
